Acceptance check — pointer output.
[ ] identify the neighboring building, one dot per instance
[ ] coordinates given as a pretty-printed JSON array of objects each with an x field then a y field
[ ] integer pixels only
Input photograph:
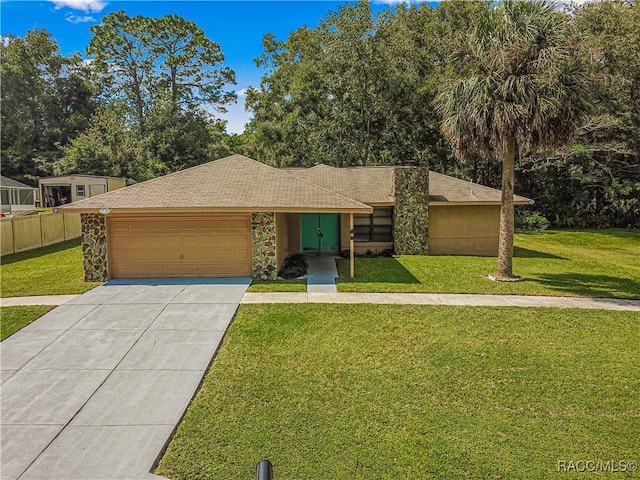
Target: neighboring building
[
  {"x": 56, "y": 191},
  {"x": 239, "y": 217},
  {"x": 16, "y": 197}
]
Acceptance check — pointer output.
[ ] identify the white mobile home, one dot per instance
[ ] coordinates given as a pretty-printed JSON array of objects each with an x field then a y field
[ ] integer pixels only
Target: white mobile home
[{"x": 56, "y": 191}]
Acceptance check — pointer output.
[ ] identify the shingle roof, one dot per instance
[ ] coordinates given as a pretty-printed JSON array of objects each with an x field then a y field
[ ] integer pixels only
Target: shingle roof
[
  {"x": 10, "y": 183},
  {"x": 374, "y": 185},
  {"x": 371, "y": 185},
  {"x": 231, "y": 183},
  {"x": 240, "y": 183},
  {"x": 443, "y": 188}
]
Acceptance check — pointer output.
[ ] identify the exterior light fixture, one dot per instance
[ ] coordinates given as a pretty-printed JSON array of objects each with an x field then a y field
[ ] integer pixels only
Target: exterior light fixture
[{"x": 104, "y": 210}]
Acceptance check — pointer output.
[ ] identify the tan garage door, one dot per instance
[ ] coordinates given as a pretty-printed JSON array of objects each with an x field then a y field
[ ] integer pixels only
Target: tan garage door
[{"x": 179, "y": 246}]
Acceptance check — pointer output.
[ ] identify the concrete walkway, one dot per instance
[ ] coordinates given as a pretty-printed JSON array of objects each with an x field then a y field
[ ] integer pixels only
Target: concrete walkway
[
  {"x": 444, "y": 299},
  {"x": 321, "y": 274},
  {"x": 403, "y": 298},
  {"x": 95, "y": 388},
  {"x": 36, "y": 300}
]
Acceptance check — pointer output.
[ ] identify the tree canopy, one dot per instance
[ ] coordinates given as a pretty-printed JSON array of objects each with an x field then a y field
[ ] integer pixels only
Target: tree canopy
[
  {"x": 520, "y": 88},
  {"x": 357, "y": 89}
]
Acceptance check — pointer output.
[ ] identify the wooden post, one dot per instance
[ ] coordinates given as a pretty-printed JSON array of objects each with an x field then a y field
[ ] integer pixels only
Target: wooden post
[
  {"x": 41, "y": 232},
  {"x": 351, "y": 246}
]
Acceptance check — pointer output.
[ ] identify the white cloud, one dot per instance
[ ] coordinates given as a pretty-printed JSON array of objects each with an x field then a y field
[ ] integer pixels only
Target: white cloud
[
  {"x": 78, "y": 19},
  {"x": 5, "y": 40},
  {"x": 242, "y": 92},
  {"x": 84, "y": 5},
  {"x": 236, "y": 117}
]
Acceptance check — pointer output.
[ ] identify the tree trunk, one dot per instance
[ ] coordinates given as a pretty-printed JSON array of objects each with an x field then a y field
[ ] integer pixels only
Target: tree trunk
[
  {"x": 174, "y": 88},
  {"x": 505, "y": 241}
]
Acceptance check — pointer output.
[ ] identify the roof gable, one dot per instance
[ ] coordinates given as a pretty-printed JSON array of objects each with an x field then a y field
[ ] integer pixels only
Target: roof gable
[
  {"x": 374, "y": 185},
  {"x": 10, "y": 183},
  {"x": 231, "y": 183},
  {"x": 370, "y": 185}
]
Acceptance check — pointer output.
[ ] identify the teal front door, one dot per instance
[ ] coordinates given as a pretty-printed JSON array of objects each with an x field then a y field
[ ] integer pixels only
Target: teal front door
[{"x": 320, "y": 232}]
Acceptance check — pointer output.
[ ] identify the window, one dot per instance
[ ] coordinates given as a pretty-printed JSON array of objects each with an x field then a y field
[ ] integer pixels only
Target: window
[
  {"x": 377, "y": 227},
  {"x": 26, "y": 197},
  {"x": 79, "y": 190}
]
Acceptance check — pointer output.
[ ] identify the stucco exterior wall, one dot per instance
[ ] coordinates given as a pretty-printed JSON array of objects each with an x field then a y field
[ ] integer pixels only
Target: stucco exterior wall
[
  {"x": 293, "y": 233},
  {"x": 94, "y": 247},
  {"x": 282, "y": 238},
  {"x": 344, "y": 231},
  {"x": 464, "y": 229},
  {"x": 263, "y": 241},
  {"x": 411, "y": 211}
]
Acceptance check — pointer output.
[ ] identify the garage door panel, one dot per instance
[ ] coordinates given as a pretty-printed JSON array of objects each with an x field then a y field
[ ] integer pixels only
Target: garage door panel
[
  {"x": 190, "y": 241},
  {"x": 120, "y": 226},
  {"x": 157, "y": 256},
  {"x": 242, "y": 242},
  {"x": 208, "y": 225},
  {"x": 189, "y": 225},
  {"x": 194, "y": 255},
  {"x": 238, "y": 224},
  {"x": 119, "y": 242},
  {"x": 240, "y": 256},
  {"x": 207, "y": 239},
  {"x": 157, "y": 226},
  {"x": 178, "y": 246},
  {"x": 172, "y": 240},
  {"x": 137, "y": 226}
]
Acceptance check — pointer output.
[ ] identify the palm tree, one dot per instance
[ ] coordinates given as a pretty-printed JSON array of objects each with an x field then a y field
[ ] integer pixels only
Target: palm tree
[{"x": 520, "y": 87}]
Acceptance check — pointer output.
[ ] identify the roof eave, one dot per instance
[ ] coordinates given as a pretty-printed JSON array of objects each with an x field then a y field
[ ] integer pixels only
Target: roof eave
[
  {"x": 168, "y": 210},
  {"x": 479, "y": 202}
]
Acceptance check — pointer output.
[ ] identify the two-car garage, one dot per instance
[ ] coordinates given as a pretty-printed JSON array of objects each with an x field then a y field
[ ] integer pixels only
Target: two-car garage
[{"x": 184, "y": 245}]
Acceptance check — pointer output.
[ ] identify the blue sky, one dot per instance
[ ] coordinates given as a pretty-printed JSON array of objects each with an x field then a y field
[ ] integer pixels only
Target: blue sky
[{"x": 238, "y": 26}]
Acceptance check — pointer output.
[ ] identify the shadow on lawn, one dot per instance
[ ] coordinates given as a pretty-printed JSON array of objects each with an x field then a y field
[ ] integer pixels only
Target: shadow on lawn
[
  {"x": 591, "y": 285},
  {"x": 38, "y": 252},
  {"x": 376, "y": 270},
  {"x": 520, "y": 252}
]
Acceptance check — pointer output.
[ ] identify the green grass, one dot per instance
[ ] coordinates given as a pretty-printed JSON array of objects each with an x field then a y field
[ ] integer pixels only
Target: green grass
[
  {"x": 13, "y": 319},
  {"x": 41, "y": 210},
  {"x": 53, "y": 270},
  {"x": 585, "y": 263},
  {"x": 297, "y": 285},
  {"x": 414, "y": 392}
]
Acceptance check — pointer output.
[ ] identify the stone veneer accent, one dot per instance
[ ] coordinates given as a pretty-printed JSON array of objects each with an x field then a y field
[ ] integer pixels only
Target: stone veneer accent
[
  {"x": 411, "y": 210},
  {"x": 94, "y": 247},
  {"x": 263, "y": 241}
]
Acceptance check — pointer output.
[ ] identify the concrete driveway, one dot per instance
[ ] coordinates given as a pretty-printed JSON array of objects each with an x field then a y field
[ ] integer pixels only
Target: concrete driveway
[{"x": 95, "y": 388}]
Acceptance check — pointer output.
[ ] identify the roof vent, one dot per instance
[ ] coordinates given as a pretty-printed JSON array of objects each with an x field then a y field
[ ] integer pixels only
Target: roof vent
[{"x": 471, "y": 192}]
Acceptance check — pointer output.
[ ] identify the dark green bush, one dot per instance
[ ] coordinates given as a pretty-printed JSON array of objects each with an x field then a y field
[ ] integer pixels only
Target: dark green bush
[{"x": 294, "y": 266}]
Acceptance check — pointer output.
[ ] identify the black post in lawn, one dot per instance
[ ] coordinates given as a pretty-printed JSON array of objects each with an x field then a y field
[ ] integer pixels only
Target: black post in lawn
[{"x": 265, "y": 470}]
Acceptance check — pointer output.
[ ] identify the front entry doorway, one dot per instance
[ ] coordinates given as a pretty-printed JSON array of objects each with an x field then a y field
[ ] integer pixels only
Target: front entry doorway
[{"x": 320, "y": 232}]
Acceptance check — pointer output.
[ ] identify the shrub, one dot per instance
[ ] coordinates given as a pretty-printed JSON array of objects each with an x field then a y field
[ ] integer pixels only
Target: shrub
[
  {"x": 294, "y": 266},
  {"x": 531, "y": 220}
]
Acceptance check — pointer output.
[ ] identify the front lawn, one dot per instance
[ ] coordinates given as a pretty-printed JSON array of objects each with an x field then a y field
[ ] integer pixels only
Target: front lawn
[
  {"x": 296, "y": 285},
  {"x": 13, "y": 319},
  {"x": 53, "y": 270},
  {"x": 603, "y": 263},
  {"x": 413, "y": 392}
]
